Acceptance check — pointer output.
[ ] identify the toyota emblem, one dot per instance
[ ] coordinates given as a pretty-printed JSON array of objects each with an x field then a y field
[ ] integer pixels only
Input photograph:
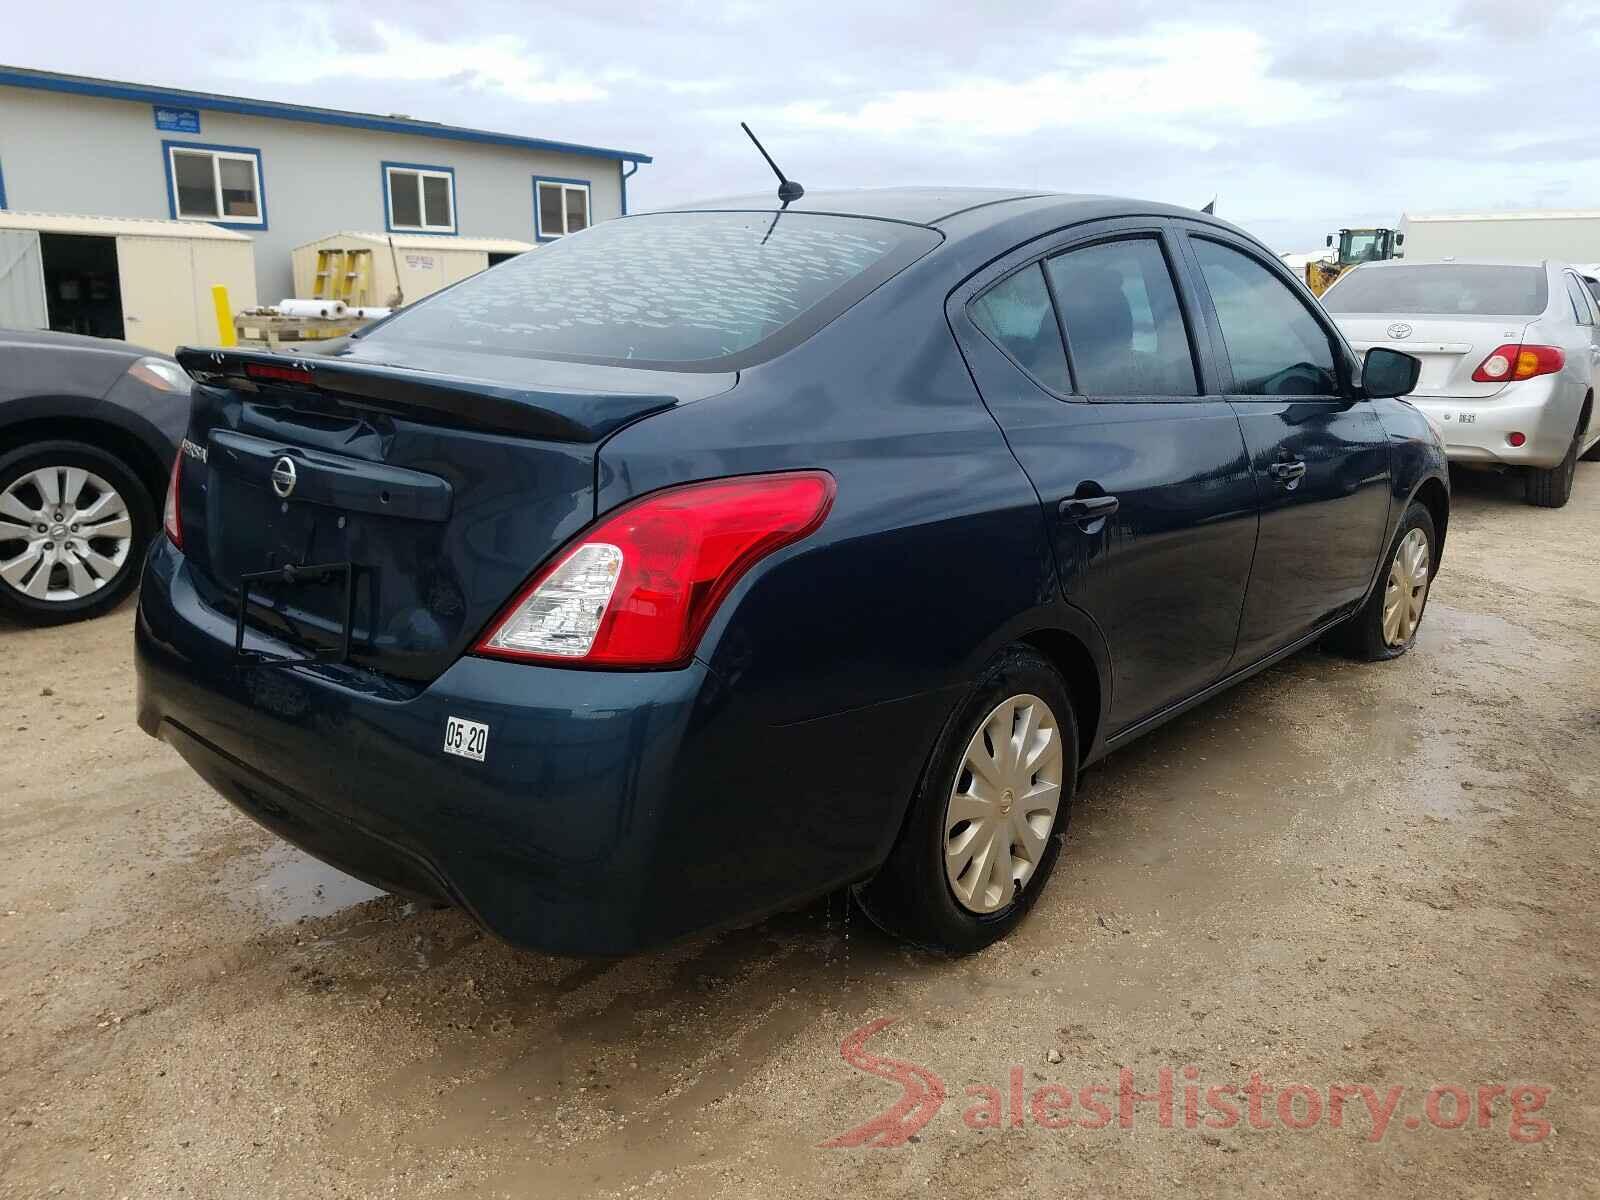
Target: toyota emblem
[
  {"x": 283, "y": 477},
  {"x": 1399, "y": 330}
]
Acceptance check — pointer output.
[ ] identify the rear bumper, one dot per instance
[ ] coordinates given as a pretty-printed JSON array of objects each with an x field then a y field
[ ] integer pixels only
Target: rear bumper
[
  {"x": 613, "y": 811},
  {"x": 1476, "y": 429}
]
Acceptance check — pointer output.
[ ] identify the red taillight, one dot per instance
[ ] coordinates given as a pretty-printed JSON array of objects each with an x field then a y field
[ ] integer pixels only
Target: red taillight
[
  {"x": 1516, "y": 439},
  {"x": 296, "y": 374},
  {"x": 1508, "y": 363},
  {"x": 171, "y": 521},
  {"x": 639, "y": 587}
]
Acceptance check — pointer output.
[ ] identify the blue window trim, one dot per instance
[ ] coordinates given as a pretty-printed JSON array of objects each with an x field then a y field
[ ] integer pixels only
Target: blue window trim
[
  {"x": 167, "y": 147},
  {"x": 210, "y": 102},
  {"x": 538, "y": 232},
  {"x": 388, "y": 202}
]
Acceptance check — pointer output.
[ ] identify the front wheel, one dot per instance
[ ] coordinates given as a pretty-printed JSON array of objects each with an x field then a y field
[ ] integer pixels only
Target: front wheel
[
  {"x": 986, "y": 823},
  {"x": 74, "y": 521},
  {"x": 1386, "y": 625}
]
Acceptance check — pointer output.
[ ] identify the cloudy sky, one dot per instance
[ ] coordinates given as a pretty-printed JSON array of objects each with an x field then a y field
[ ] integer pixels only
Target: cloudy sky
[{"x": 1300, "y": 118}]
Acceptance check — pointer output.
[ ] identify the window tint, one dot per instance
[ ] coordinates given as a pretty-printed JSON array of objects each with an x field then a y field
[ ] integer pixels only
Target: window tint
[
  {"x": 1124, "y": 328},
  {"x": 665, "y": 289},
  {"x": 1017, "y": 315},
  {"x": 421, "y": 198},
  {"x": 216, "y": 185},
  {"x": 1580, "y": 300},
  {"x": 191, "y": 173},
  {"x": 562, "y": 208},
  {"x": 1445, "y": 288},
  {"x": 1275, "y": 346}
]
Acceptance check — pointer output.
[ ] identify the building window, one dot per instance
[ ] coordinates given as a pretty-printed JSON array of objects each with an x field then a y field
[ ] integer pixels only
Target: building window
[
  {"x": 419, "y": 199},
  {"x": 2, "y": 189},
  {"x": 215, "y": 183},
  {"x": 560, "y": 206}
]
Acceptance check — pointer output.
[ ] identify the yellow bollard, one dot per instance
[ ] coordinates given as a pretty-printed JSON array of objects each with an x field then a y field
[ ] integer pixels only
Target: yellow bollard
[{"x": 225, "y": 333}]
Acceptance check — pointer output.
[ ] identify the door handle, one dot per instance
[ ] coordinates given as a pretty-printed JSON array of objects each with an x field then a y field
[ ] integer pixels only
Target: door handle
[
  {"x": 1086, "y": 509},
  {"x": 1289, "y": 473}
]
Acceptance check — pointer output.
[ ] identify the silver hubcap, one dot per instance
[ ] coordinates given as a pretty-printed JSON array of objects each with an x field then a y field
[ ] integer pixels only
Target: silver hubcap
[
  {"x": 64, "y": 533},
  {"x": 1003, "y": 804},
  {"x": 1407, "y": 590}
]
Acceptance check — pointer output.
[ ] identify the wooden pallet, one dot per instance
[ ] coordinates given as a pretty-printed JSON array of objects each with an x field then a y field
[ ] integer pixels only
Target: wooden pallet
[{"x": 267, "y": 329}]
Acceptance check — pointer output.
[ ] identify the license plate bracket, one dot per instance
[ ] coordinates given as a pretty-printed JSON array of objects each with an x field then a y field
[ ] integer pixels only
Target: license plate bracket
[{"x": 290, "y": 575}]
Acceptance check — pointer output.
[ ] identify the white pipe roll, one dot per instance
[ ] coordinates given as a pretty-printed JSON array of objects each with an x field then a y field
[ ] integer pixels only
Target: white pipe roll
[{"x": 312, "y": 308}]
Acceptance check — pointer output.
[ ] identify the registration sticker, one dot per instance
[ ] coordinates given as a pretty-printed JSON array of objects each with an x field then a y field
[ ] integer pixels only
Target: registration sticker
[{"x": 467, "y": 739}]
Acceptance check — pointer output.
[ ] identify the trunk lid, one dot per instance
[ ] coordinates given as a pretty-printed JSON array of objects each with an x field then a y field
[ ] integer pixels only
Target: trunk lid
[
  {"x": 443, "y": 479},
  {"x": 1450, "y": 347}
]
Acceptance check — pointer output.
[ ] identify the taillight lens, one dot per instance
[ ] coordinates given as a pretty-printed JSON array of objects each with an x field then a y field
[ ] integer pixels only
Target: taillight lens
[
  {"x": 1509, "y": 363},
  {"x": 638, "y": 588},
  {"x": 170, "y": 520}
]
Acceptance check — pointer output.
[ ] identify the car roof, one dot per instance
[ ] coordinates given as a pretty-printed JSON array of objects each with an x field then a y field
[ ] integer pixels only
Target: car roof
[
  {"x": 918, "y": 205},
  {"x": 989, "y": 216},
  {"x": 1388, "y": 263},
  {"x": 46, "y": 337}
]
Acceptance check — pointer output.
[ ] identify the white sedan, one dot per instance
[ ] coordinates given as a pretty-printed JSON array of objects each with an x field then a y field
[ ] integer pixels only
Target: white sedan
[{"x": 1510, "y": 358}]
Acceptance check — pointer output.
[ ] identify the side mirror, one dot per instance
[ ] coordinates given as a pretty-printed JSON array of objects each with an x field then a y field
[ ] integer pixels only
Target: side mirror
[
  {"x": 1399, "y": 239},
  {"x": 1328, "y": 240},
  {"x": 1386, "y": 372}
]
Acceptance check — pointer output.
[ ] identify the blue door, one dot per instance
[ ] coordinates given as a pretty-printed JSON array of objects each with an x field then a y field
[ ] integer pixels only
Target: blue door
[
  {"x": 1083, "y": 350},
  {"x": 1320, "y": 458}
]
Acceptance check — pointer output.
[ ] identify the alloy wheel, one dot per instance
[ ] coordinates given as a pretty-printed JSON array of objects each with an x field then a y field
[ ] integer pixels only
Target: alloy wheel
[
  {"x": 1407, "y": 590},
  {"x": 65, "y": 533},
  {"x": 1003, "y": 804}
]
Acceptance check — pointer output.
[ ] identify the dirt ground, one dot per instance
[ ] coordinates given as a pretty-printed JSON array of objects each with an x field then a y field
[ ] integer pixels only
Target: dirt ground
[{"x": 1337, "y": 874}]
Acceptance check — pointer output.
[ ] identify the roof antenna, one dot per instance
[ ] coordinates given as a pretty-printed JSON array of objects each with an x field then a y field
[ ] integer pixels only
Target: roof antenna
[{"x": 788, "y": 189}]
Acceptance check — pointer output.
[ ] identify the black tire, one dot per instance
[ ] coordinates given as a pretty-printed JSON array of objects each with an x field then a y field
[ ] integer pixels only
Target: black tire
[
  {"x": 142, "y": 519},
  {"x": 911, "y": 897},
  {"x": 1551, "y": 487},
  {"x": 1361, "y": 636},
  {"x": 1592, "y": 454}
]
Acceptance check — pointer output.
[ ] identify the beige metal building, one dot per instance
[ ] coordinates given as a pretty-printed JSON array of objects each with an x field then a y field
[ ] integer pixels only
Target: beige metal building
[
  {"x": 389, "y": 269},
  {"x": 145, "y": 280}
]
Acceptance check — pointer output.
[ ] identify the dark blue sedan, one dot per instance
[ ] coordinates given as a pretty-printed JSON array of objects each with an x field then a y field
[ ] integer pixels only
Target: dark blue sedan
[{"x": 706, "y": 561}]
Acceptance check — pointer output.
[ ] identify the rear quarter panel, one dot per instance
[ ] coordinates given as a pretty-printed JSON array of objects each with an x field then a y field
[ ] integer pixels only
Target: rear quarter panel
[{"x": 842, "y": 656}]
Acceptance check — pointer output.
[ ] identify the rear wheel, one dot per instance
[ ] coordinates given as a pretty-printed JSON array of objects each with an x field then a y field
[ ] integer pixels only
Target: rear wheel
[
  {"x": 986, "y": 823},
  {"x": 1551, "y": 487},
  {"x": 74, "y": 522},
  {"x": 1386, "y": 626}
]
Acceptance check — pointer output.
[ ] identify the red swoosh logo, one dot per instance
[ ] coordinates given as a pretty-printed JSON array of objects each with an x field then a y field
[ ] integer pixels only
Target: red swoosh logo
[{"x": 924, "y": 1093}]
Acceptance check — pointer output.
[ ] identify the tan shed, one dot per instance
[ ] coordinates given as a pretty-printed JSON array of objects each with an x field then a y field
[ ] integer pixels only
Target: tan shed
[
  {"x": 388, "y": 269},
  {"x": 144, "y": 281}
]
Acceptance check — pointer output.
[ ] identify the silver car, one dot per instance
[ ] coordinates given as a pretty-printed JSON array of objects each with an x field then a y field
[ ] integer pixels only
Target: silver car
[{"x": 1510, "y": 358}]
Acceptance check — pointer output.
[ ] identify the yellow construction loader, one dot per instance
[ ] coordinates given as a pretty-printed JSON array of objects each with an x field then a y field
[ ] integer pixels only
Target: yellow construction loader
[{"x": 1356, "y": 246}]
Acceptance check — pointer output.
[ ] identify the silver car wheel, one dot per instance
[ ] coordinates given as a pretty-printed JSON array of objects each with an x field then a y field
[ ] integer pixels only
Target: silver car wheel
[
  {"x": 1407, "y": 589},
  {"x": 64, "y": 533},
  {"x": 1003, "y": 804}
]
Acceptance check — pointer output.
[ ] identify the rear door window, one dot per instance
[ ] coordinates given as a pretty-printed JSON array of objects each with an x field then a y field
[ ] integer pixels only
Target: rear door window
[
  {"x": 682, "y": 291},
  {"x": 1017, "y": 315},
  {"x": 1119, "y": 310},
  {"x": 1275, "y": 346},
  {"x": 1580, "y": 300}
]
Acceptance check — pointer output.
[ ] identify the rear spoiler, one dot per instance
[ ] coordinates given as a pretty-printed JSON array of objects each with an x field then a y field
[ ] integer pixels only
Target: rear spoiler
[{"x": 586, "y": 416}]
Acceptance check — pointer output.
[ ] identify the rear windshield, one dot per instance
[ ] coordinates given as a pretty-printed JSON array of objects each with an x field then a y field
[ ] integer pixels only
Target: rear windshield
[
  {"x": 1475, "y": 291},
  {"x": 707, "y": 290}
]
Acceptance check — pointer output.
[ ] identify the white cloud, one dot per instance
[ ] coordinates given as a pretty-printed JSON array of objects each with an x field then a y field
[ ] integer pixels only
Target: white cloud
[
  {"x": 1175, "y": 84},
  {"x": 498, "y": 63}
]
